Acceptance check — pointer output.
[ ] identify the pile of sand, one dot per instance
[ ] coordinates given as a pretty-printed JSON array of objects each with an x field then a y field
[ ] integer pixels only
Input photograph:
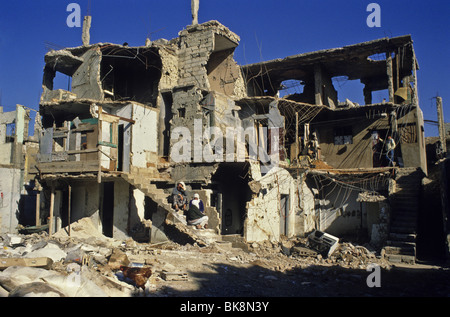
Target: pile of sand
[{"x": 83, "y": 229}]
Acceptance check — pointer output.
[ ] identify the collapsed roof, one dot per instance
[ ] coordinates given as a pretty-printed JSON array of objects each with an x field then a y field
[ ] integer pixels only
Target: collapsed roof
[{"x": 358, "y": 61}]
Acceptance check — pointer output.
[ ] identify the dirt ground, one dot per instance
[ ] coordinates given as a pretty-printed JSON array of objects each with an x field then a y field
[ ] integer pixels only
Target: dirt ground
[
  {"x": 264, "y": 271},
  {"x": 258, "y": 270}
]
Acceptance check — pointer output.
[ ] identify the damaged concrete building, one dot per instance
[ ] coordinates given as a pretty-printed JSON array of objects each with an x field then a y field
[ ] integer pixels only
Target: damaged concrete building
[
  {"x": 18, "y": 150},
  {"x": 138, "y": 120}
]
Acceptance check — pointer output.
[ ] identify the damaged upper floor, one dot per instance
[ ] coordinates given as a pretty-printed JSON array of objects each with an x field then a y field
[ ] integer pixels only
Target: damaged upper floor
[
  {"x": 386, "y": 64},
  {"x": 202, "y": 55},
  {"x": 194, "y": 78}
]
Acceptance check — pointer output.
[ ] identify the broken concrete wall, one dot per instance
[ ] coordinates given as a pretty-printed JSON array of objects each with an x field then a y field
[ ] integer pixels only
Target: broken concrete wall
[
  {"x": 169, "y": 71},
  {"x": 84, "y": 70},
  {"x": 224, "y": 74},
  {"x": 268, "y": 217},
  {"x": 221, "y": 112},
  {"x": 206, "y": 59},
  {"x": 86, "y": 82},
  {"x": 305, "y": 221},
  {"x": 196, "y": 44},
  {"x": 412, "y": 136},
  {"x": 137, "y": 207},
  {"x": 339, "y": 213},
  {"x": 157, "y": 233},
  {"x": 85, "y": 201},
  {"x": 186, "y": 109},
  {"x": 193, "y": 173},
  {"x": 14, "y": 156},
  {"x": 10, "y": 192},
  {"x": 6, "y": 149},
  {"x": 377, "y": 214},
  {"x": 12, "y": 139},
  {"x": 121, "y": 209},
  {"x": 144, "y": 136}
]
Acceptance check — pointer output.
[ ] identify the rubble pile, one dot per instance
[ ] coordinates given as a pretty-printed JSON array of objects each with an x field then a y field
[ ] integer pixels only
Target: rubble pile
[
  {"x": 88, "y": 264},
  {"x": 343, "y": 254}
]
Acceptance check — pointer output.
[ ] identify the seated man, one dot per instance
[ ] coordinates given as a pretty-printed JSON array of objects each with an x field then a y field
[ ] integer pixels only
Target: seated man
[
  {"x": 179, "y": 199},
  {"x": 194, "y": 216},
  {"x": 197, "y": 202}
]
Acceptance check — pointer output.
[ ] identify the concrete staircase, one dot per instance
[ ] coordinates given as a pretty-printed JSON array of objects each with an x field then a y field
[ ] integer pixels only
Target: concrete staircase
[
  {"x": 405, "y": 204},
  {"x": 141, "y": 181},
  {"x": 156, "y": 194}
]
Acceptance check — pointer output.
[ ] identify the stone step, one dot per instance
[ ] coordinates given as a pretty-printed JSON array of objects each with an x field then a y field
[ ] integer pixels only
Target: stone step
[
  {"x": 237, "y": 241},
  {"x": 403, "y": 229},
  {"x": 404, "y": 211},
  {"x": 412, "y": 205},
  {"x": 403, "y": 250},
  {"x": 400, "y": 258},
  {"x": 404, "y": 244},
  {"x": 405, "y": 221},
  {"x": 405, "y": 237},
  {"x": 404, "y": 199},
  {"x": 406, "y": 194}
]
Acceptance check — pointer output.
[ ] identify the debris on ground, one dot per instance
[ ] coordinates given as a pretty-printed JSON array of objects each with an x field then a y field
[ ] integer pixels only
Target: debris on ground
[{"x": 78, "y": 266}]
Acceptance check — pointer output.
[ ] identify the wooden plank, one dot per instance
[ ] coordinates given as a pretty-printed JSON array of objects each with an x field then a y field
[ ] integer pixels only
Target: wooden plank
[
  {"x": 99, "y": 139},
  {"x": 91, "y": 143},
  {"x": 29, "y": 262},
  {"x": 69, "y": 204},
  {"x": 109, "y": 118},
  {"x": 38, "y": 208},
  {"x": 120, "y": 118},
  {"x": 109, "y": 144},
  {"x": 63, "y": 133},
  {"x": 73, "y": 152}
]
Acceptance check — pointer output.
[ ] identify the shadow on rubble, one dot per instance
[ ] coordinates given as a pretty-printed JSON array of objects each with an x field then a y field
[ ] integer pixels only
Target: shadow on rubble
[{"x": 224, "y": 280}]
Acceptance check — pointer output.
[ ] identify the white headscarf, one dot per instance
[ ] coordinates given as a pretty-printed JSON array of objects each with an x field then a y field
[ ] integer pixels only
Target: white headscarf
[{"x": 196, "y": 202}]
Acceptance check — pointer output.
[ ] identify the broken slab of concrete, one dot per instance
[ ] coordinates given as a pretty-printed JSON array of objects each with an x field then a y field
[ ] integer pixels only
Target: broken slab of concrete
[
  {"x": 118, "y": 258},
  {"x": 303, "y": 251},
  {"x": 12, "y": 240},
  {"x": 174, "y": 276},
  {"x": 43, "y": 262},
  {"x": 51, "y": 250}
]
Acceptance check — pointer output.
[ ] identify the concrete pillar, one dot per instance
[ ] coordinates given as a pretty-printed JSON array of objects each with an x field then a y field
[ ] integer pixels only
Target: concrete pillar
[
  {"x": 318, "y": 85},
  {"x": 195, "y": 4},
  {"x": 367, "y": 95},
  {"x": 86, "y": 37},
  {"x": 441, "y": 126},
  {"x": 390, "y": 75}
]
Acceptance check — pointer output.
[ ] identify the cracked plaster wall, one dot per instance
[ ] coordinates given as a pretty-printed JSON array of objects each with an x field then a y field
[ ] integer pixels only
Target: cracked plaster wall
[{"x": 263, "y": 219}]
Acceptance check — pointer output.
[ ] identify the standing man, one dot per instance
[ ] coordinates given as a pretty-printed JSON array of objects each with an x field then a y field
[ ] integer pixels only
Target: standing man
[
  {"x": 314, "y": 146},
  {"x": 390, "y": 147}
]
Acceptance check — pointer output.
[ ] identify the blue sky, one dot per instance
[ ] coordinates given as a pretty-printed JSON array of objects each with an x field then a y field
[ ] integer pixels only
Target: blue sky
[{"x": 268, "y": 29}]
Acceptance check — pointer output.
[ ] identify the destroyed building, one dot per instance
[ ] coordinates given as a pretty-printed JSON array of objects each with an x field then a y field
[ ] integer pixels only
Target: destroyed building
[
  {"x": 138, "y": 120},
  {"x": 18, "y": 148}
]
